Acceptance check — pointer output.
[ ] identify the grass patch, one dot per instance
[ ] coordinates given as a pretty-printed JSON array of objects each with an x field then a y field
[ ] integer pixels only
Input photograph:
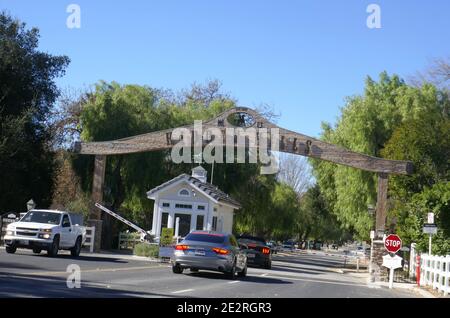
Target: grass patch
[{"x": 147, "y": 250}]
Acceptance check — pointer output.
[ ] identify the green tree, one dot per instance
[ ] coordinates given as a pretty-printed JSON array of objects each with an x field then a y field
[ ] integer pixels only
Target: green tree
[
  {"x": 114, "y": 111},
  {"x": 366, "y": 124},
  {"x": 412, "y": 215},
  {"x": 269, "y": 207},
  {"x": 315, "y": 220},
  {"x": 27, "y": 96},
  {"x": 426, "y": 142}
]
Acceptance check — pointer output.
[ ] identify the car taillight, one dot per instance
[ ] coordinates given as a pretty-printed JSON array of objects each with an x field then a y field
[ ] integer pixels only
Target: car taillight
[
  {"x": 265, "y": 250},
  {"x": 181, "y": 247},
  {"x": 220, "y": 251}
]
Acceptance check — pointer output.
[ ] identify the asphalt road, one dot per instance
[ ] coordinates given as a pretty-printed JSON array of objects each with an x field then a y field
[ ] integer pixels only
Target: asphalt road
[{"x": 301, "y": 275}]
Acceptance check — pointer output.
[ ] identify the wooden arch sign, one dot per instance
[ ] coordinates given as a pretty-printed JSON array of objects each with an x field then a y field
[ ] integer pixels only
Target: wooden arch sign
[{"x": 243, "y": 117}]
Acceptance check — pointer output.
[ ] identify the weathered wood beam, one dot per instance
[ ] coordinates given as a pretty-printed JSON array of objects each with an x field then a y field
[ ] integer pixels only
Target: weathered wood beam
[
  {"x": 299, "y": 144},
  {"x": 289, "y": 141}
]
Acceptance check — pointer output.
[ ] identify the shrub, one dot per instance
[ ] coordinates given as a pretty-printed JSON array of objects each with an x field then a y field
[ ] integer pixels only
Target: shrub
[{"x": 147, "y": 250}]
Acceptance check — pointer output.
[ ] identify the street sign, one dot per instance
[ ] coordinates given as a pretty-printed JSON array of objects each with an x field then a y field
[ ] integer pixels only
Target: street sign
[
  {"x": 393, "y": 243},
  {"x": 429, "y": 229},
  {"x": 392, "y": 261}
]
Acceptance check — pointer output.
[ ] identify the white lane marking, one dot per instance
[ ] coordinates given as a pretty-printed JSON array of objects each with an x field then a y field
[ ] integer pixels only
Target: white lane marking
[
  {"x": 56, "y": 273},
  {"x": 233, "y": 282},
  {"x": 182, "y": 291},
  {"x": 371, "y": 285}
]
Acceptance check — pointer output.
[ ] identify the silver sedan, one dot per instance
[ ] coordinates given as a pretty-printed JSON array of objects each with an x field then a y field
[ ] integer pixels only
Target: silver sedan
[{"x": 212, "y": 251}]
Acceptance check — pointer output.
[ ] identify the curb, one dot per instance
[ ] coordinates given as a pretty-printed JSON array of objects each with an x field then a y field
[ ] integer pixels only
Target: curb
[
  {"x": 128, "y": 257},
  {"x": 422, "y": 292},
  {"x": 119, "y": 256}
]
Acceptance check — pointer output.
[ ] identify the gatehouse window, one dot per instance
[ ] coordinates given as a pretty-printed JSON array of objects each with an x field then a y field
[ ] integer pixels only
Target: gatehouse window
[
  {"x": 184, "y": 193},
  {"x": 164, "y": 220},
  {"x": 183, "y": 206},
  {"x": 200, "y": 220},
  {"x": 214, "y": 223}
]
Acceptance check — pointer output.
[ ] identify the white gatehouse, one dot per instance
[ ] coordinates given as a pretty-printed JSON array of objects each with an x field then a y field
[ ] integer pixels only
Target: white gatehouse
[{"x": 199, "y": 205}]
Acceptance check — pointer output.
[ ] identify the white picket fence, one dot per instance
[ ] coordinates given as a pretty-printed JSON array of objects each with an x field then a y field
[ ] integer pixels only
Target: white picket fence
[
  {"x": 435, "y": 272},
  {"x": 90, "y": 238}
]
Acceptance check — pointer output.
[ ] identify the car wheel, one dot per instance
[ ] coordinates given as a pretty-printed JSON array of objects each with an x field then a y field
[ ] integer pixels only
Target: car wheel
[
  {"x": 268, "y": 265},
  {"x": 232, "y": 273},
  {"x": 75, "y": 251},
  {"x": 243, "y": 273},
  {"x": 37, "y": 250},
  {"x": 177, "y": 269},
  {"x": 10, "y": 249},
  {"x": 54, "y": 248}
]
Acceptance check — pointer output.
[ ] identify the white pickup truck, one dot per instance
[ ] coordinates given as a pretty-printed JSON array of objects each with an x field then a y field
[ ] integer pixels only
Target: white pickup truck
[{"x": 49, "y": 230}]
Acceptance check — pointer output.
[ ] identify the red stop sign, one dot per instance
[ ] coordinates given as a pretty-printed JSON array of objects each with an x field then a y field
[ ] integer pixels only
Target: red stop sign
[{"x": 393, "y": 243}]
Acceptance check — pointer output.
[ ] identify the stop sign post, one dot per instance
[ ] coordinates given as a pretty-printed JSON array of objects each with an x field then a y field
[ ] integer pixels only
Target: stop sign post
[{"x": 393, "y": 243}]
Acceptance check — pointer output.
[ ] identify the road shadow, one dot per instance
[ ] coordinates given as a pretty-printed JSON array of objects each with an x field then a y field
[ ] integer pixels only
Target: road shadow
[
  {"x": 18, "y": 285},
  {"x": 286, "y": 267},
  {"x": 67, "y": 256},
  {"x": 12, "y": 265},
  {"x": 86, "y": 258},
  {"x": 313, "y": 262},
  {"x": 251, "y": 279},
  {"x": 297, "y": 270}
]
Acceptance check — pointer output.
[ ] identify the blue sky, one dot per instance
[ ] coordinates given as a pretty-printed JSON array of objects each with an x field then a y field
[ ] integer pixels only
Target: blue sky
[{"x": 301, "y": 57}]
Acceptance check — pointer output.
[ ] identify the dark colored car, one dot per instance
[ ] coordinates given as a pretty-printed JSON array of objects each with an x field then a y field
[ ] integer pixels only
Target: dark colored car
[
  {"x": 258, "y": 252},
  {"x": 212, "y": 251},
  {"x": 274, "y": 247},
  {"x": 289, "y": 245}
]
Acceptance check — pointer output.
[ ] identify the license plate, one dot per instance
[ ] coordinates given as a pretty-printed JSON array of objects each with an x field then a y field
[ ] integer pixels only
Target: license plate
[
  {"x": 251, "y": 255},
  {"x": 23, "y": 242},
  {"x": 200, "y": 252}
]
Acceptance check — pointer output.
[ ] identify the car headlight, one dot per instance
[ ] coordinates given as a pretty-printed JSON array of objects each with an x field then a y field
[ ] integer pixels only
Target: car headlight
[
  {"x": 9, "y": 232},
  {"x": 46, "y": 230},
  {"x": 44, "y": 235}
]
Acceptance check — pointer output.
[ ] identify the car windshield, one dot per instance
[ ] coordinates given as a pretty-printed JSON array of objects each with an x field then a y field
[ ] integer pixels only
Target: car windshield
[
  {"x": 251, "y": 240},
  {"x": 42, "y": 217},
  {"x": 206, "y": 237}
]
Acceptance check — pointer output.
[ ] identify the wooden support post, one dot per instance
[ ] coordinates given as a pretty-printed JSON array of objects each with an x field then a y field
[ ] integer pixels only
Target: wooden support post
[
  {"x": 376, "y": 271},
  {"x": 380, "y": 222},
  {"x": 98, "y": 183},
  {"x": 97, "y": 196}
]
